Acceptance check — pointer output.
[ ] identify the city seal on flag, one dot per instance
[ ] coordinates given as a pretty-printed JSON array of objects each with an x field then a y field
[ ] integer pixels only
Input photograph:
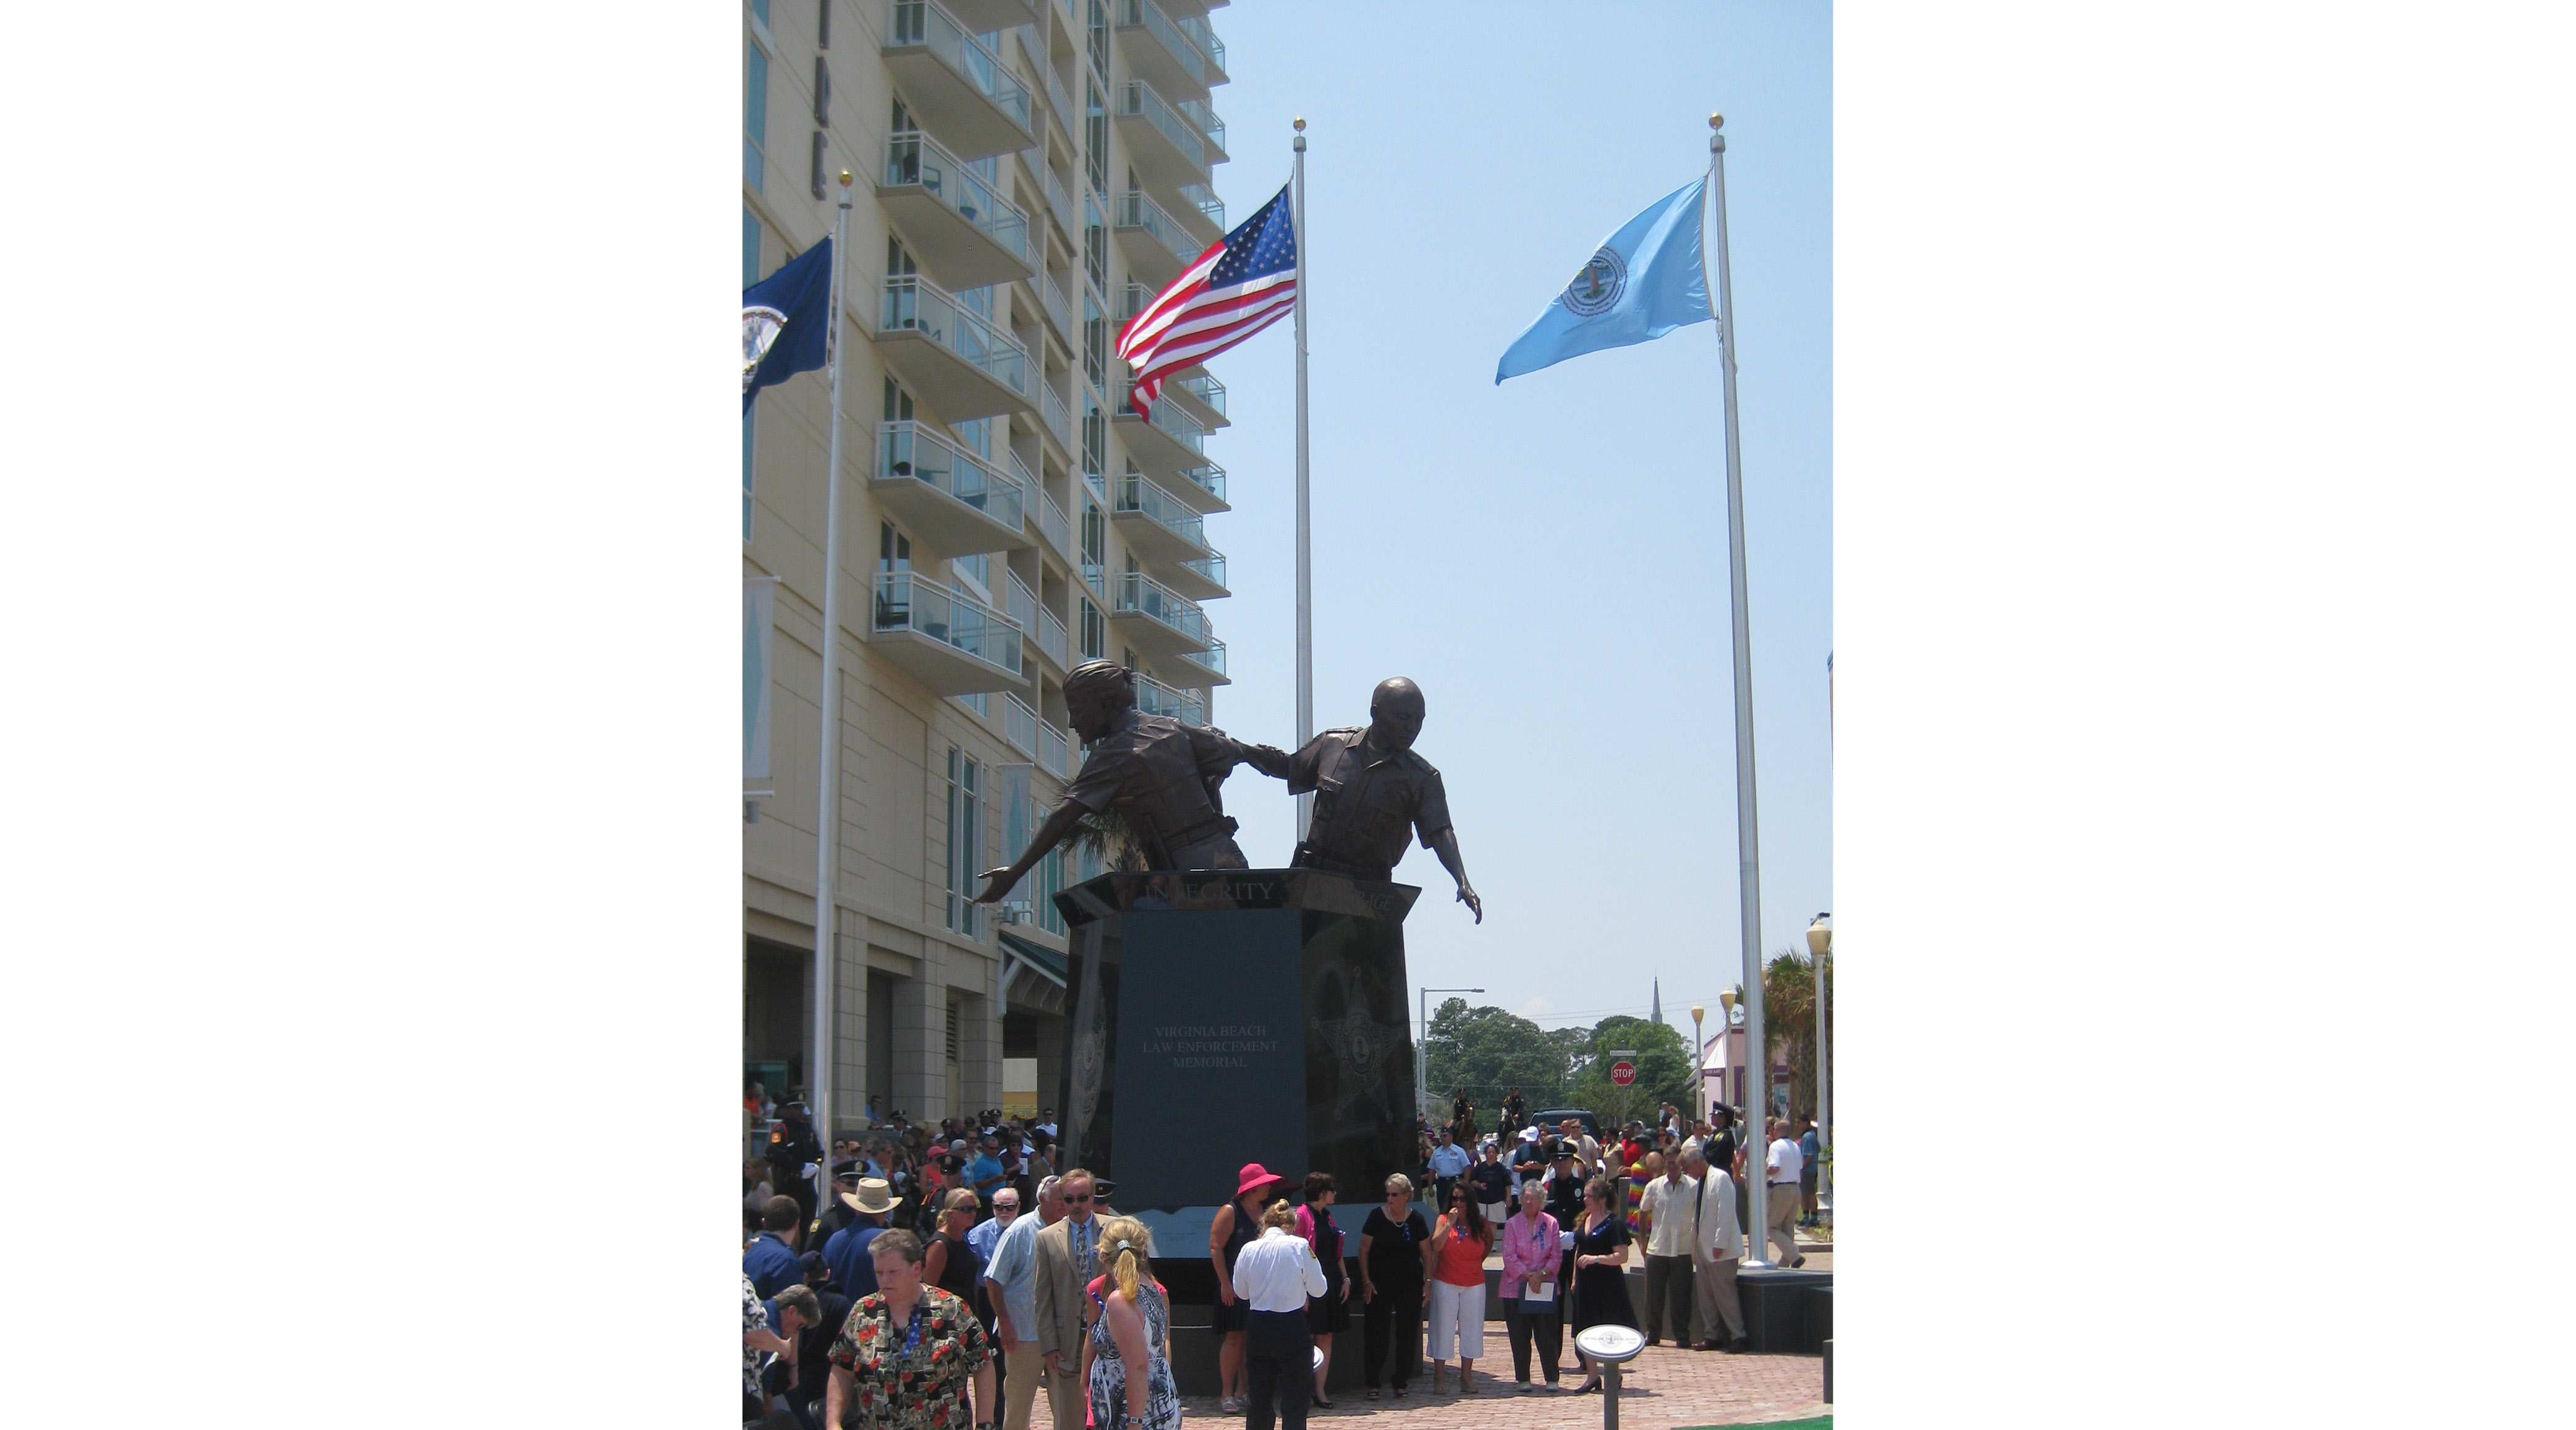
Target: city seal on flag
[
  {"x": 760, "y": 329},
  {"x": 1597, "y": 288}
]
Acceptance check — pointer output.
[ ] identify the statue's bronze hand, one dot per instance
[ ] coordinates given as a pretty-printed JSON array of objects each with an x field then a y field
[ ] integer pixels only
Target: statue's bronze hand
[
  {"x": 997, "y": 882},
  {"x": 1476, "y": 905}
]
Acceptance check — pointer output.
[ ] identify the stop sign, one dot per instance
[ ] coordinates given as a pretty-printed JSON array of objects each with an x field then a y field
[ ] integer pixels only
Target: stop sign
[{"x": 1623, "y": 1072}]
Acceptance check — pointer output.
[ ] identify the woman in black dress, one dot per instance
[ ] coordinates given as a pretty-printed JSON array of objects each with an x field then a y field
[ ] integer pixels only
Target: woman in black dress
[
  {"x": 1331, "y": 1311},
  {"x": 1236, "y": 1226},
  {"x": 1395, "y": 1278},
  {"x": 949, "y": 1263},
  {"x": 1600, "y": 1273}
]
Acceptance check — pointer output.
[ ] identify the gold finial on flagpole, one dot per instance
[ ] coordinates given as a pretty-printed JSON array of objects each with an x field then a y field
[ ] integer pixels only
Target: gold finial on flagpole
[
  {"x": 1300, "y": 122},
  {"x": 845, "y": 178},
  {"x": 1716, "y": 121}
]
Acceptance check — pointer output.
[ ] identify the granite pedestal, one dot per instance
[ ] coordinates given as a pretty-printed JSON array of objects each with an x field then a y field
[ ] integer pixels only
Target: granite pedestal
[{"x": 1220, "y": 1018}]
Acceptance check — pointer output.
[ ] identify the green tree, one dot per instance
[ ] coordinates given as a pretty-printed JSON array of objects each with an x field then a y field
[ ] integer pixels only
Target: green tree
[
  {"x": 1789, "y": 1021},
  {"x": 1664, "y": 1071},
  {"x": 1489, "y": 1051}
]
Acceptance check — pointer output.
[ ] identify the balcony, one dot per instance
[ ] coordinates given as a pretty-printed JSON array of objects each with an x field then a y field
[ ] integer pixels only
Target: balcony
[
  {"x": 1155, "y": 698},
  {"x": 1204, "y": 397},
  {"x": 1020, "y": 725},
  {"x": 1155, "y": 619},
  {"x": 1055, "y": 751},
  {"x": 1209, "y": 123},
  {"x": 951, "y": 357},
  {"x": 1052, "y": 642},
  {"x": 1200, "y": 578},
  {"x": 1156, "y": 526},
  {"x": 1160, "y": 48},
  {"x": 1170, "y": 441},
  {"x": 984, "y": 17},
  {"x": 953, "y": 500},
  {"x": 1198, "y": 32},
  {"x": 1201, "y": 488},
  {"x": 962, "y": 232},
  {"x": 1059, "y": 419},
  {"x": 1060, "y": 105},
  {"x": 1211, "y": 662},
  {"x": 953, "y": 83},
  {"x": 950, "y": 642},
  {"x": 1057, "y": 307},
  {"x": 1157, "y": 246},
  {"x": 1202, "y": 212},
  {"x": 1059, "y": 203},
  {"x": 1052, "y": 524},
  {"x": 1165, "y": 148}
]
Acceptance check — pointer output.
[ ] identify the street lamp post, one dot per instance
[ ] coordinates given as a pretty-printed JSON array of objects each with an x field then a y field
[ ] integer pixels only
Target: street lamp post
[
  {"x": 1726, "y": 1058},
  {"x": 1820, "y": 941},
  {"x": 1699, "y": 1062},
  {"x": 1422, "y": 1054}
]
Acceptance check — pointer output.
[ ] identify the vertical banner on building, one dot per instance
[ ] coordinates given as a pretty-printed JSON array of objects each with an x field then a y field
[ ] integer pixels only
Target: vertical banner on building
[{"x": 759, "y": 600}]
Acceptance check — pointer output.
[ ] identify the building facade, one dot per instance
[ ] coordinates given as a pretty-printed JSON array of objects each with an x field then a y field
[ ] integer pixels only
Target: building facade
[{"x": 1027, "y": 174}]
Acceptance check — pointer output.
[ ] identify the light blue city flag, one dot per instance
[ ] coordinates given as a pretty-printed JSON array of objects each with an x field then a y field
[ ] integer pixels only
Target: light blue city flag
[{"x": 1643, "y": 282}]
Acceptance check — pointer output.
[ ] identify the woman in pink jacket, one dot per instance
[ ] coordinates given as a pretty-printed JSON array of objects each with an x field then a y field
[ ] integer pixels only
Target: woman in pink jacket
[{"x": 1532, "y": 1300}]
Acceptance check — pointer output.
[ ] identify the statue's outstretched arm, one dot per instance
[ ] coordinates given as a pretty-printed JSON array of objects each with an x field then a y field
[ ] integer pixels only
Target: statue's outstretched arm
[
  {"x": 1445, "y": 844},
  {"x": 998, "y": 882}
]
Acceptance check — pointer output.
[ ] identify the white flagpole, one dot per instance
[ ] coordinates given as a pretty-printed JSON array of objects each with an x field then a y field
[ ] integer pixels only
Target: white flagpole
[
  {"x": 827, "y": 782},
  {"x": 1757, "y": 1060},
  {"x": 1305, "y": 550}
]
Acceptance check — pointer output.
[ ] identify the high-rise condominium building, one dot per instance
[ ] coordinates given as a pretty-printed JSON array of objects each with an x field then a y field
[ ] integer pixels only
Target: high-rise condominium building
[{"x": 1027, "y": 174}]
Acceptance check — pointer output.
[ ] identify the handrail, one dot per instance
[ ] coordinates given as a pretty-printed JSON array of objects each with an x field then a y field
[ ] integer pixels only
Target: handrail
[
  {"x": 1198, "y": 112},
  {"x": 1205, "y": 389},
  {"x": 915, "y": 304},
  {"x": 1155, "y": 698},
  {"x": 914, "y": 159},
  {"x": 1204, "y": 199},
  {"x": 1210, "y": 567},
  {"x": 1145, "y": 13},
  {"x": 1135, "y": 210},
  {"x": 907, "y": 600},
  {"x": 912, "y": 450},
  {"x": 1213, "y": 657},
  {"x": 1052, "y": 639},
  {"x": 1143, "y": 594},
  {"x": 925, "y": 23},
  {"x": 1054, "y": 525},
  {"x": 1137, "y": 99},
  {"x": 1209, "y": 478},
  {"x": 1139, "y": 495},
  {"x": 1019, "y": 725},
  {"x": 1203, "y": 35}
]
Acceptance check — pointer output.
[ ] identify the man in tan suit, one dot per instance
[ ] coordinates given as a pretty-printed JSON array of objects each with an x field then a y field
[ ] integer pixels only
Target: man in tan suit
[{"x": 1067, "y": 1259}]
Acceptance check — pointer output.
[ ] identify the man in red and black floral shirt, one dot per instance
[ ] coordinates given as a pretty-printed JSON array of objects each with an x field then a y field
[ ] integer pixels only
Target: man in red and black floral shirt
[{"x": 908, "y": 1355}]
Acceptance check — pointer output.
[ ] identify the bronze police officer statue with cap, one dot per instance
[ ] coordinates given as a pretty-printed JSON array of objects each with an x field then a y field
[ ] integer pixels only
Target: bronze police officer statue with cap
[
  {"x": 1161, "y": 774},
  {"x": 1371, "y": 791}
]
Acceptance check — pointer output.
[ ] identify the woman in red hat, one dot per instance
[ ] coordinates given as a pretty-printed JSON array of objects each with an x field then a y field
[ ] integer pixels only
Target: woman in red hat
[{"x": 1237, "y": 1224}]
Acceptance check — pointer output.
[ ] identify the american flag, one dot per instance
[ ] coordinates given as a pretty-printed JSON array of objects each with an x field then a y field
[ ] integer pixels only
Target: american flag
[{"x": 1227, "y": 294}]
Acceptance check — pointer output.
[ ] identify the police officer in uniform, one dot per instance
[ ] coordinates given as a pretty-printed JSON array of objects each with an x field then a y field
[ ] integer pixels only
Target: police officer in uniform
[
  {"x": 1161, "y": 775},
  {"x": 1372, "y": 791},
  {"x": 793, "y": 1147}
]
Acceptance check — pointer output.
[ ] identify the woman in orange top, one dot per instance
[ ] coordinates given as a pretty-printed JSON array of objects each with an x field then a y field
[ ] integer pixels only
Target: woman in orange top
[{"x": 1459, "y": 1246}]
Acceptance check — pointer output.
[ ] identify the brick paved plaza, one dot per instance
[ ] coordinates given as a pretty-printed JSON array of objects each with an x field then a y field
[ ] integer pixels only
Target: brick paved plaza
[{"x": 1665, "y": 1388}]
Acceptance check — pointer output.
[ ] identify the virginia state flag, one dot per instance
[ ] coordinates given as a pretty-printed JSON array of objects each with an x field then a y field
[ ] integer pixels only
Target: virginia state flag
[
  {"x": 1643, "y": 282},
  {"x": 785, "y": 320}
]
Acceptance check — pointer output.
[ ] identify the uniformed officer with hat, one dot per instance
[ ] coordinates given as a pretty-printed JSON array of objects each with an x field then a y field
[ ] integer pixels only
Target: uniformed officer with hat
[{"x": 792, "y": 1148}]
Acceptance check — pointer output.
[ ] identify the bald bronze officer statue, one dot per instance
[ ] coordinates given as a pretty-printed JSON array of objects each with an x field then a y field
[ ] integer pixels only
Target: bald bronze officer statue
[
  {"x": 1161, "y": 774},
  {"x": 1371, "y": 791}
]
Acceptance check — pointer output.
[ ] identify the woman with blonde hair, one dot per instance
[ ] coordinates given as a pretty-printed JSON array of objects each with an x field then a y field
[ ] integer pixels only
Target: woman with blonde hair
[{"x": 1133, "y": 1330}]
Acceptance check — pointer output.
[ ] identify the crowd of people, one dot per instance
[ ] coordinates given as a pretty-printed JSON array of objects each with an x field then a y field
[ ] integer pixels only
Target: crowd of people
[{"x": 956, "y": 1275}]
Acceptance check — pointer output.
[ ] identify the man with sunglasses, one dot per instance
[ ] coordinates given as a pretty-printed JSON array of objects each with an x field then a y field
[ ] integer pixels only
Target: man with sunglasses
[{"x": 1068, "y": 1256}]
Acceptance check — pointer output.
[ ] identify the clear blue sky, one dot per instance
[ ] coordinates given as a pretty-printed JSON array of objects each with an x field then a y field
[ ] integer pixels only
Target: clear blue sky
[{"x": 1547, "y": 558}]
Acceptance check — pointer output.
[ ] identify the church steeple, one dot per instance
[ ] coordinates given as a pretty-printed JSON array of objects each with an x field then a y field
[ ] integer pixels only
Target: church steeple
[{"x": 1659, "y": 998}]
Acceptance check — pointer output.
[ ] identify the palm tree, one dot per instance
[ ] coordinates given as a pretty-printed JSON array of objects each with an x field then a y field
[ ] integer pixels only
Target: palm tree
[
  {"x": 1107, "y": 835},
  {"x": 1789, "y": 1021}
]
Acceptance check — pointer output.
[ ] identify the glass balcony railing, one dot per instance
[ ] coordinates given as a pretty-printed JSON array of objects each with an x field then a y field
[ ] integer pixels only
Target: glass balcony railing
[
  {"x": 1137, "y": 211},
  {"x": 917, "y": 160},
  {"x": 921, "y": 22},
  {"x": 1209, "y": 479},
  {"x": 910, "y": 449},
  {"x": 1143, "y": 497},
  {"x": 1213, "y": 657},
  {"x": 1019, "y": 602},
  {"x": 1054, "y": 525},
  {"x": 1058, "y": 419},
  {"x": 1055, "y": 751},
  {"x": 1137, "y": 99},
  {"x": 1059, "y": 105},
  {"x": 1155, "y": 698},
  {"x": 1058, "y": 200},
  {"x": 1168, "y": 419},
  {"x": 1132, "y": 299},
  {"x": 906, "y": 601},
  {"x": 1052, "y": 641},
  {"x": 1202, "y": 35},
  {"x": 915, "y": 304},
  {"x": 1206, "y": 391},
  {"x": 1173, "y": 37},
  {"x": 1204, "y": 199},
  {"x": 1019, "y": 725},
  {"x": 1146, "y": 596},
  {"x": 1210, "y": 566},
  {"x": 1210, "y": 124}
]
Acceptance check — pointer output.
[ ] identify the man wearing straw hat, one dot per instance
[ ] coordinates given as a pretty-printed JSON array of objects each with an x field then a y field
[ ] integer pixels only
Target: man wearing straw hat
[{"x": 853, "y": 1271}]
